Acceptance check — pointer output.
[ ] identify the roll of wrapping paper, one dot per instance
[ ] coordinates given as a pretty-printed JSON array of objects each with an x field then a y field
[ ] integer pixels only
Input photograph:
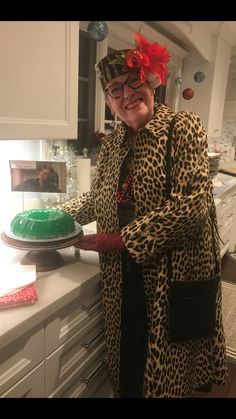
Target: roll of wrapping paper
[{"x": 83, "y": 174}]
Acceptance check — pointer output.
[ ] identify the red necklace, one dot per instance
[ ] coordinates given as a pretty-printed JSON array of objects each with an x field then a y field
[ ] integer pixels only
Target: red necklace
[{"x": 126, "y": 192}]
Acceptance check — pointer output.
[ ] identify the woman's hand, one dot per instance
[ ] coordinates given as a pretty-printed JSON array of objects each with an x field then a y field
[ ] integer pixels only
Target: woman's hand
[{"x": 101, "y": 242}]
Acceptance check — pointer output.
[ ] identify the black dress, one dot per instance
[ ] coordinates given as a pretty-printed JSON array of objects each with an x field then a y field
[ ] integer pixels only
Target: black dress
[{"x": 133, "y": 311}]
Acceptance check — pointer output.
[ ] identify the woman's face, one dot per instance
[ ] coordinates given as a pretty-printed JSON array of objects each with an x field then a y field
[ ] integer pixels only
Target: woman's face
[{"x": 135, "y": 106}]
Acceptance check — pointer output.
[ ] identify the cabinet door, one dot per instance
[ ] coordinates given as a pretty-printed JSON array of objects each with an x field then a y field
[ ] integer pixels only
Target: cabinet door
[
  {"x": 73, "y": 317},
  {"x": 20, "y": 357},
  {"x": 39, "y": 79},
  {"x": 32, "y": 385},
  {"x": 85, "y": 378},
  {"x": 218, "y": 92}
]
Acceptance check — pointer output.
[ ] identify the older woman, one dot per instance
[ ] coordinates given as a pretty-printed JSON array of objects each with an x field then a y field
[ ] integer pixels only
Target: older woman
[{"x": 137, "y": 226}]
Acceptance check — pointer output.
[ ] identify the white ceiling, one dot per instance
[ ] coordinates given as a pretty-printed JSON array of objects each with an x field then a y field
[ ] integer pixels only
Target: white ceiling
[
  {"x": 169, "y": 29},
  {"x": 181, "y": 38}
]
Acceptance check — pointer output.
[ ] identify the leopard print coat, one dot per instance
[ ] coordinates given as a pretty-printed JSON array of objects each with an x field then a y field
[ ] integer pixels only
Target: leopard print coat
[{"x": 182, "y": 224}]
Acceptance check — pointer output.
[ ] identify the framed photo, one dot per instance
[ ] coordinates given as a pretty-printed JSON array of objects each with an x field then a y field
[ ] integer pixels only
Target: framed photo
[{"x": 38, "y": 176}]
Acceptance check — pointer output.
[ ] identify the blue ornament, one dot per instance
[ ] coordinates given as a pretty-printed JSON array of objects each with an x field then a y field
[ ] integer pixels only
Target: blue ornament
[
  {"x": 178, "y": 80},
  {"x": 97, "y": 30},
  {"x": 199, "y": 76}
]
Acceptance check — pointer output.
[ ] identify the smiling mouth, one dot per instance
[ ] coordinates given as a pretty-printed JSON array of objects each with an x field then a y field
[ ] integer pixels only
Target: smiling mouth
[{"x": 133, "y": 103}]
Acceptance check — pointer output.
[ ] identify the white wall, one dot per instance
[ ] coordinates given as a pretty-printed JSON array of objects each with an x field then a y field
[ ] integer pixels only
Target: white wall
[{"x": 200, "y": 102}]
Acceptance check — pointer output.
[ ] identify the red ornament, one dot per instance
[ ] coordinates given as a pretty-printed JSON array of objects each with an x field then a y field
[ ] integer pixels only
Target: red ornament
[{"x": 188, "y": 93}]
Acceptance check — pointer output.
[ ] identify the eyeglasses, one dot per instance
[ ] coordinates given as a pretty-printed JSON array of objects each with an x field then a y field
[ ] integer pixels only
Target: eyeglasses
[{"x": 116, "y": 90}]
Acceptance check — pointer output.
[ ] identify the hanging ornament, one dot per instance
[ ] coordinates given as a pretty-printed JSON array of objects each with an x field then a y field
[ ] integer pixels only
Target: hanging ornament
[
  {"x": 97, "y": 30},
  {"x": 178, "y": 80},
  {"x": 188, "y": 93},
  {"x": 199, "y": 76},
  {"x": 168, "y": 74}
]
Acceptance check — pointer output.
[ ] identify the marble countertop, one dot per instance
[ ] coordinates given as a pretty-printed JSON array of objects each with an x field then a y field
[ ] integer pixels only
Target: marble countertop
[
  {"x": 222, "y": 183},
  {"x": 55, "y": 288}
]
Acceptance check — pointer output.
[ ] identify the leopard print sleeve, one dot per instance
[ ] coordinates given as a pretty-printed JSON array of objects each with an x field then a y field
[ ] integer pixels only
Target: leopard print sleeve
[
  {"x": 81, "y": 208},
  {"x": 182, "y": 217}
]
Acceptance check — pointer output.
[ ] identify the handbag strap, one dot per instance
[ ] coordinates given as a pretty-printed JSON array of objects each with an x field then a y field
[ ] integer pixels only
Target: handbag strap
[
  {"x": 168, "y": 192},
  {"x": 168, "y": 158}
]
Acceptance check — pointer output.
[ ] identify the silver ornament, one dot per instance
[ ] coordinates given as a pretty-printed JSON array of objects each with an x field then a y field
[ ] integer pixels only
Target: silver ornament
[
  {"x": 178, "y": 80},
  {"x": 168, "y": 75},
  {"x": 199, "y": 76},
  {"x": 97, "y": 30}
]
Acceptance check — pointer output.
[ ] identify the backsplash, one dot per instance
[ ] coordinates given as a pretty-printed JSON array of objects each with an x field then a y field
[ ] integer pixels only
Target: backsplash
[{"x": 225, "y": 144}]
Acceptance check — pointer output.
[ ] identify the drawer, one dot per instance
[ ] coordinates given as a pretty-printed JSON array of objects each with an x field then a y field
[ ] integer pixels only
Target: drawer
[
  {"x": 226, "y": 212},
  {"x": 85, "y": 378},
  {"x": 31, "y": 386},
  {"x": 225, "y": 234},
  {"x": 70, "y": 319},
  {"x": 21, "y": 357},
  {"x": 104, "y": 391},
  {"x": 74, "y": 352}
]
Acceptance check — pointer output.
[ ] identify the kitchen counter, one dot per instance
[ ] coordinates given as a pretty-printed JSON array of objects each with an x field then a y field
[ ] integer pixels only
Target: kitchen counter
[
  {"x": 54, "y": 288},
  {"x": 222, "y": 183},
  {"x": 58, "y": 287}
]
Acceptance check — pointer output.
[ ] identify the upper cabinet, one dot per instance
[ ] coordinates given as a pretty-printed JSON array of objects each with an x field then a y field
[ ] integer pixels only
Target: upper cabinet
[
  {"x": 219, "y": 83},
  {"x": 39, "y": 79}
]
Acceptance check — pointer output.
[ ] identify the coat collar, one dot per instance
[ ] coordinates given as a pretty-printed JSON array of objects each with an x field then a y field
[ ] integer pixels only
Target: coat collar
[{"x": 162, "y": 114}]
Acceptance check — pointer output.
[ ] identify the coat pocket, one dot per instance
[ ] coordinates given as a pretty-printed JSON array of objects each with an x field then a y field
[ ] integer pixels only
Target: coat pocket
[{"x": 192, "y": 309}]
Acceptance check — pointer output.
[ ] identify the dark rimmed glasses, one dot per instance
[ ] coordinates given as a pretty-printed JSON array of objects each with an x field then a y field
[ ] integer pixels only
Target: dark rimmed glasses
[{"x": 116, "y": 89}]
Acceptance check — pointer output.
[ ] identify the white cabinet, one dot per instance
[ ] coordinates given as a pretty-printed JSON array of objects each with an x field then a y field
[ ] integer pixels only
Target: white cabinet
[
  {"x": 218, "y": 92},
  {"x": 39, "y": 79},
  {"x": 75, "y": 348},
  {"x": 31, "y": 386},
  {"x": 18, "y": 361},
  {"x": 64, "y": 356}
]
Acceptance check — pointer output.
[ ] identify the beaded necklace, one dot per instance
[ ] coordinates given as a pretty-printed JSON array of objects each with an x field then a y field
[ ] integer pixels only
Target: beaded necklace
[{"x": 126, "y": 192}]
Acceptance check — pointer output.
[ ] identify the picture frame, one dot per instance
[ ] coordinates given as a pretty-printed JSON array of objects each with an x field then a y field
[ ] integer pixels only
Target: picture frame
[{"x": 38, "y": 176}]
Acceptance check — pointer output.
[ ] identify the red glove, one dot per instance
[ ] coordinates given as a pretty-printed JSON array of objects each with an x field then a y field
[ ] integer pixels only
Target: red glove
[{"x": 101, "y": 242}]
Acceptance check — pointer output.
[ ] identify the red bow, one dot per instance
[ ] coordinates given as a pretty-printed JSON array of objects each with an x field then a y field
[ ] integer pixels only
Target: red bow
[{"x": 148, "y": 58}]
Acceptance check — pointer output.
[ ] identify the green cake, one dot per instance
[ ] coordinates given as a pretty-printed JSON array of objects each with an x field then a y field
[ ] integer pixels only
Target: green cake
[{"x": 43, "y": 223}]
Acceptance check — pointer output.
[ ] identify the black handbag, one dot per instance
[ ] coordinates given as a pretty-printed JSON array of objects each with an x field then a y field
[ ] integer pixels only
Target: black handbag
[{"x": 192, "y": 304}]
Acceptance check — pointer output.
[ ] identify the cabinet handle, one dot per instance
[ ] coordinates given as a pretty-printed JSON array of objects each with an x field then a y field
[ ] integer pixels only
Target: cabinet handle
[
  {"x": 91, "y": 305},
  {"x": 94, "y": 373},
  {"x": 92, "y": 340}
]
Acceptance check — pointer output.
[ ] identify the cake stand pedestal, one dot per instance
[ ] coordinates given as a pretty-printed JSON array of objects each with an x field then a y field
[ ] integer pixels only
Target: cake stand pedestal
[
  {"x": 45, "y": 260},
  {"x": 43, "y": 254}
]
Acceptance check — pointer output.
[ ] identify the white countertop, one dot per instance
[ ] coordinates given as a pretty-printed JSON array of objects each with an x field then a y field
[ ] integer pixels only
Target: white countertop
[
  {"x": 222, "y": 183},
  {"x": 54, "y": 288}
]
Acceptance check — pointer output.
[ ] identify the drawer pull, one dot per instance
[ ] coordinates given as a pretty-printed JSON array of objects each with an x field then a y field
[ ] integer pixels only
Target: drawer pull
[
  {"x": 91, "y": 304},
  {"x": 93, "y": 373},
  {"x": 87, "y": 343}
]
